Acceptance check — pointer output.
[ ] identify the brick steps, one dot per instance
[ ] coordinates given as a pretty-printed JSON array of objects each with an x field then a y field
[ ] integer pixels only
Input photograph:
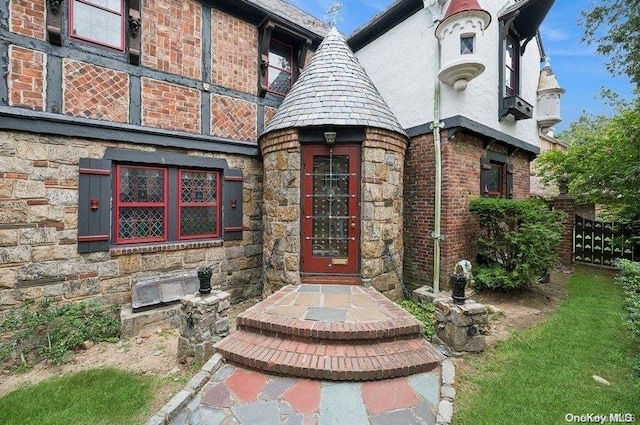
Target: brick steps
[{"x": 329, "y": 359}]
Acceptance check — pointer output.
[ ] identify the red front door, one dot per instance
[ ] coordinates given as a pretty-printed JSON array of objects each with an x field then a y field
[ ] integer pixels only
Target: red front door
[{"x": 330, "y": 209}]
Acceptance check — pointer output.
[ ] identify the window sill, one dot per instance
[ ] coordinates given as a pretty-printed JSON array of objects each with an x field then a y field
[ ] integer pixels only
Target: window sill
[{"x": 164, "y": 247}]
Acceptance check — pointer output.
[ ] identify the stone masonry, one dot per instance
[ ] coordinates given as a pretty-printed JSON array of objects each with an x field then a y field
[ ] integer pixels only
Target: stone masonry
[
  {"x": 38, "y": 232},
  {"x": 462, "y": 327},
  {"x": 204, "y": 320}
]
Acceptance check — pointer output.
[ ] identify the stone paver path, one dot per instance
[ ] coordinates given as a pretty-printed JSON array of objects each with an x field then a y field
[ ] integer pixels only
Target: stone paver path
[{"x": 235, "y": 395}]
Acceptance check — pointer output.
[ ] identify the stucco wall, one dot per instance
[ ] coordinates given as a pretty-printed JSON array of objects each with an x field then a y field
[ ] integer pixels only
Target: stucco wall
[{"x": 408, "y": 85}]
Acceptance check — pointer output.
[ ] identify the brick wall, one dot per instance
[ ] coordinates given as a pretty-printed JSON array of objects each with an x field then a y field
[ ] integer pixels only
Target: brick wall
[
  {"x": 233, "y": 118},
  {"x": 94, "y": 92},
  {"x": 565, "y": 249},
  {"x": 460, "y": 184},
  {"x": 170, "y": 106},
  {"x": 39, "y": 227},
  {"x": 27, "y": 17},
  {"x": 172, "y": 36},
  {"x": 235, "y": 53},
  {"x": 26, "y": 78}
]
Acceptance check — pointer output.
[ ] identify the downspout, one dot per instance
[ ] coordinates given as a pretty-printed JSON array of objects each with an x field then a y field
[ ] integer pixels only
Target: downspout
[{"x": 435, "y": 127}]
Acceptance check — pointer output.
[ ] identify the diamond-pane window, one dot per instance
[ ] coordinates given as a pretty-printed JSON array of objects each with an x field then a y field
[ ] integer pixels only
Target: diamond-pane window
[
  {"x": 141, "y": 204},
  {"x": 199, "y": 212},
  {"x": 466, "y": 44}
]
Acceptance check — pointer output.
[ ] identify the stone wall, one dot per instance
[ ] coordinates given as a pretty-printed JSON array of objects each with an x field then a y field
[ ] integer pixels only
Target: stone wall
[
  {"x": 39, "y": 226},
  {"x": 460, "y": 184},
  {"x": 381, "y": 245},
  {"x": 381, "y": 237},
  {"x": 282, "y": 162}
]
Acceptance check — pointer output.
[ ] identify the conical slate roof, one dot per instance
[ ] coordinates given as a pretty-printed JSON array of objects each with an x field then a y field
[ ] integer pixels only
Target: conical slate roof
[
  {"x": 547, "y": 80},
  {"x": 334, "y": 89}
]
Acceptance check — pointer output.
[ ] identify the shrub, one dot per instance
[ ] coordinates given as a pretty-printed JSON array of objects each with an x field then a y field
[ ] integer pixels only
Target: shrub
[
  {"x": 629, "y": 279},
  {"x": 424, "y": 312},
  {"x": 518, "y": 241},
  {"x": 46, "y": 330}
]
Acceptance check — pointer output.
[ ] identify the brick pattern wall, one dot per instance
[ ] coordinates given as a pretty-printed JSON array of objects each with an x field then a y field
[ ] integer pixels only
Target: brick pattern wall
[
  {"x": 269, "y": 113},
  {"x": 27, "y": 17},
  {"x": 91, "y": 91},
  {"x": 233, "y": 118},
  {"x": 565, "y": 249},
  {"x": 419, "y": 204},
  {"x": 170, "y": 106},
  {"x": 39, "y": 227},
  {"x": 172, "y": 36},
  {"x": 235, "y": 53},
  {"x": 460, "y": 184},
  {"x": 26, "y": 78}
]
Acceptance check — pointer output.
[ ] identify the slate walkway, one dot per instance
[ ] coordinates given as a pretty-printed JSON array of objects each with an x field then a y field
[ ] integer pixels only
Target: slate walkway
[
  {"x": 235, "y": 395},
  {"x": 377, "y": 368}
]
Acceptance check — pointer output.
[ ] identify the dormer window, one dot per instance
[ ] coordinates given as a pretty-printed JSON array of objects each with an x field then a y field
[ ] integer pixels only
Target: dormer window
[
  {"x": 280, "y": 68},
  {"x": 282, "y": 55},
  {"x": 98, "y": 21}
]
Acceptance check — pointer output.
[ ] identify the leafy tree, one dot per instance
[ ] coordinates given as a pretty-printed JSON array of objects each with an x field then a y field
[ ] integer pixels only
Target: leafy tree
[
  {"x": 602, "y": 162},
  {"x": 620, "y": 19}
]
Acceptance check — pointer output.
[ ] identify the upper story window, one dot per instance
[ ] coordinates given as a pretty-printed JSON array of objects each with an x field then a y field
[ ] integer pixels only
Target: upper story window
[
  {"x": 282, "y": 53},
  {"x": 280, "y": 67},
  {"x": 511, "y": 65},
  {"x": 98, "y": 21},
  {"x": 467, "y": 44}
]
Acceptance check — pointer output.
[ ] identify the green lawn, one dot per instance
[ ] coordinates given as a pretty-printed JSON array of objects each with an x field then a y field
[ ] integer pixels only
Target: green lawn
[
  {"x": 97, "y": 396},
  {"x": 541, "y": 375}
]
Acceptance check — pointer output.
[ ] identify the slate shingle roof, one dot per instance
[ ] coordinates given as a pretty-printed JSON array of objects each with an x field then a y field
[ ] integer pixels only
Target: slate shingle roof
[
  {"x": 334, "y": 89},
  {"x": 292, "y": 14}
]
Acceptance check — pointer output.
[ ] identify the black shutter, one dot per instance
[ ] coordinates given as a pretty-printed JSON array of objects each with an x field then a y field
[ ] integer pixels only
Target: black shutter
[
  {"x": 509, "y": 181},
  {"x": 485, "y": 165},
  {"x": 94, "y": 205},
  {"x": 232, "y": 204}
]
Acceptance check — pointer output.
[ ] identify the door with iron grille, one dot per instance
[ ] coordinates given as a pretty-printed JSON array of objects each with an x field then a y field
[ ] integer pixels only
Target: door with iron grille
[{"x": 330, "y": 209}]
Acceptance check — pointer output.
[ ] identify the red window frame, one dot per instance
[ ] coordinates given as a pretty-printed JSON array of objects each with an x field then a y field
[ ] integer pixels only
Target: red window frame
[
  {"x": 270, "y": 66},
  {"x": 181, "y": 205},
  {"x": 118, "y": 204},
  {"x": 90, "y": 3}
]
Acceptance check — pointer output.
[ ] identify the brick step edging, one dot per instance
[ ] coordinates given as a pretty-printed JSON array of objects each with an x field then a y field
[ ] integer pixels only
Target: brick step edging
[{"x": 381, "y": 360}]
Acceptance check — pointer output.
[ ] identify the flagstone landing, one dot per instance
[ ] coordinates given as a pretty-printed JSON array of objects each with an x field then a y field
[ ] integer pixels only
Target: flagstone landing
[{"x": 330, "y": 332}]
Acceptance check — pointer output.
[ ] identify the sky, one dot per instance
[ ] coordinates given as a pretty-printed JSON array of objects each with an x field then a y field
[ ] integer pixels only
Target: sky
[{"x": 578, "y": 68}]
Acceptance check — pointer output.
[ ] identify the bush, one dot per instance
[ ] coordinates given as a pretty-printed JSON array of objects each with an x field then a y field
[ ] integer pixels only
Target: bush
[
  {"x": 629, "y": 278},
  {"x": 46, "y": 330},
  {"x": 518, "y": 241},
  {"x": 424, "y": 312}
]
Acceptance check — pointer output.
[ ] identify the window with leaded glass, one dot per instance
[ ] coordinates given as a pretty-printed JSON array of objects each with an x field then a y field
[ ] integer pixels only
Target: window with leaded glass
[
  {"x": 280, "y": 68},
  {"x": 466, "y": 44},
  {"x": 98, "y": 21},
  {"x": 198, "y": 206},
  {"x": 141, "y": 204}
]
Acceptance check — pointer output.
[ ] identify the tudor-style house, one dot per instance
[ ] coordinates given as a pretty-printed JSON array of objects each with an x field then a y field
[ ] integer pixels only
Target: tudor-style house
[{"x": 143, "y": 139}]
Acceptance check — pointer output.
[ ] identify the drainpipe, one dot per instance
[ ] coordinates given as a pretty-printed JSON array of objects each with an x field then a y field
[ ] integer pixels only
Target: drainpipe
[{"x": 435, "y": 127}]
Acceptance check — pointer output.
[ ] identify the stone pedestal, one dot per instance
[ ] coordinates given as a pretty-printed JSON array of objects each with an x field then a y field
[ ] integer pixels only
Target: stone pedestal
[
  {"x": 462, "y": 327},
  {"x": 204, "y": 320}
]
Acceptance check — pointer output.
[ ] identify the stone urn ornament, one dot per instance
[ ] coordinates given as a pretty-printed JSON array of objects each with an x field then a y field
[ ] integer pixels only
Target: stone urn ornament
[{"x": 204, "y": 276}]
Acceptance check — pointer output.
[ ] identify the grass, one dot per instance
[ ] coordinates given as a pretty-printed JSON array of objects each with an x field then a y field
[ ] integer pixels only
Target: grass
[
  {"x": 541, "y": 375},
  {"x": 96, "y": 396}
]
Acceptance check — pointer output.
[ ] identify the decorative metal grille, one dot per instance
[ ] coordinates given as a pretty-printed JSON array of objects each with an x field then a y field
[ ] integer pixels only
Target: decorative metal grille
[
  {"x": 330, "y": 206},
  {"x": 141, "y": 223},
  {"x": 601, "y": 243}
]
